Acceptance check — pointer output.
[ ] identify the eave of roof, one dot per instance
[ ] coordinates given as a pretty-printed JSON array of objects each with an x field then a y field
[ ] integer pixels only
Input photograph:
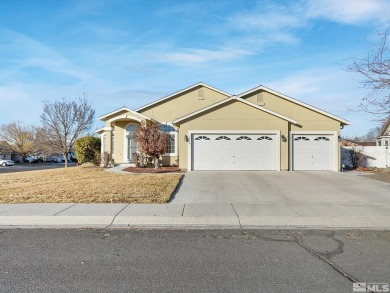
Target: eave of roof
[
  {"x": 261, "y": 87},
  {"x": 114, "y": 112},
  {"x": 103, "y": 118},
  {"x": 181, "y": 91},
  {"x": 234, "y": 98}
]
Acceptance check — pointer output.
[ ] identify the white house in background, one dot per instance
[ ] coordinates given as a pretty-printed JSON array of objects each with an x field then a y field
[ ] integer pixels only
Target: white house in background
[{"x": 384, "y": 137}]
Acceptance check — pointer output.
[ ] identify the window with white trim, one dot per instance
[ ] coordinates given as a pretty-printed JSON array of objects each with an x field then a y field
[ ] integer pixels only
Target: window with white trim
[{"x": 172, "y": 133}]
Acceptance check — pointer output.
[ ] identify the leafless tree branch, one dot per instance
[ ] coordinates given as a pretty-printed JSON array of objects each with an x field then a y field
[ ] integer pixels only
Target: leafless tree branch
[
  {"x": 375, "y": 69},
  {"x": 63, "y": 122}
]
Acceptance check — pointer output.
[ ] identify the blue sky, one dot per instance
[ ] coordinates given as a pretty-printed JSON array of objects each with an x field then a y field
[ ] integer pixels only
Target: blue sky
[{"x": 129, "y": 53}]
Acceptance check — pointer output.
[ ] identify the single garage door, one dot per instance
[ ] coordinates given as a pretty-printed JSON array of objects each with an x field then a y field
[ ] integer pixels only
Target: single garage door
[
  {"x": 312, "y": 152},
  {"x": 233, "y": 152}
]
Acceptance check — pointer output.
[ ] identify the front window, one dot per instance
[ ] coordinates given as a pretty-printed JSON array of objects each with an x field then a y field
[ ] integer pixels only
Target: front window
[{"x": 171, "y": 131}]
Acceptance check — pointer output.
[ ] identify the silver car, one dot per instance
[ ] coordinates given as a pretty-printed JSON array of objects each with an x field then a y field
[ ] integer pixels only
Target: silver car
[{"x": 4, "y": 162}]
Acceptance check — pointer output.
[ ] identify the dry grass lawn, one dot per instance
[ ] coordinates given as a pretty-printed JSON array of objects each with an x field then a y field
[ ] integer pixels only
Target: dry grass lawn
[{"x": 86, "y": 185}]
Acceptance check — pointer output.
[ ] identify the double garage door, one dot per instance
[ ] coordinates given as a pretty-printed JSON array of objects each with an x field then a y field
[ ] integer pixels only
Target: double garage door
[
  {"x": 243, "y": 151},
  {"x": 234, "y": 151}
]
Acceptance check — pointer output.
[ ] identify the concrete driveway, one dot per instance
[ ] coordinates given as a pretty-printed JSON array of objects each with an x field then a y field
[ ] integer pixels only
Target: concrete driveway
[{"x": 281, "y": 188}]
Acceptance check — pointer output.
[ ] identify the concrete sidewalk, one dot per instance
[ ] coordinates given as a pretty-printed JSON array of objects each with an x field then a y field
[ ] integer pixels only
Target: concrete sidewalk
[{"x": 197, "y": 215}]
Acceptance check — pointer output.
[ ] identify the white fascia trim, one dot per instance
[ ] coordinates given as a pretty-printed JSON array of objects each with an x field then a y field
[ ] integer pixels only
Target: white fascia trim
[
  {"x": 128, "y": 110},
  {"x": 346, "y": 122},
  {"x": 335, "y": 146},
  {"x": 114, "y": 112},
  {"x": 182, "y": 91},
  {"x": 125, "y": 117},
  {"x": 267, "y": 110},
  {"x": 103, "y": 129},
  {"x": 202, "y": 110},
  {"x": 240, "y": 100},
  {"x": 192, "y": 132}
]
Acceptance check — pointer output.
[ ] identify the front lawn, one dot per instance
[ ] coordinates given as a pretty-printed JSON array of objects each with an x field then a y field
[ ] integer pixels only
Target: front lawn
[{"x": 86, "y": 185}]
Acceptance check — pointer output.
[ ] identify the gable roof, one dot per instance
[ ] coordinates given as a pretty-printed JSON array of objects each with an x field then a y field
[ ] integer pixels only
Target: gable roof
[
  {"x": 103, "y": 118},
  {"x": 234, "y": 98},
  {"x": 182, "y": 91},
  {"x": 386, "y": 128},
  {"x": 261, "y": 87}
]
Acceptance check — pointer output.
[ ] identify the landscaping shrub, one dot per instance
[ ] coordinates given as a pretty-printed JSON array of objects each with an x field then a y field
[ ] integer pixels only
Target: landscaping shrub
[{"x": 88, "y": 150}]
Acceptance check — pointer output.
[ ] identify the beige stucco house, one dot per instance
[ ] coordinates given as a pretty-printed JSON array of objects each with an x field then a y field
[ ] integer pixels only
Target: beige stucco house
[{"x": 209, "y": 129}]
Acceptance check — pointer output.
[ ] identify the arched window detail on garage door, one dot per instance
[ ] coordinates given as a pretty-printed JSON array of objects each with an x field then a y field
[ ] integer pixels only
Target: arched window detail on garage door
[
  {"x": 202, "y": 137},
  {"x": 321, "y": 138},
  {"x": 243, "y": 137},
  {"x": 301, "y": 138},
  {"x": 264, "y": 138},
  {"x": 223, "y": 137}
]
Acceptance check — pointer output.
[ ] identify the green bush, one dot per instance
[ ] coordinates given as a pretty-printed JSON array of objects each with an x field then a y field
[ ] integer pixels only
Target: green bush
[{"x": 88, "y": 150}]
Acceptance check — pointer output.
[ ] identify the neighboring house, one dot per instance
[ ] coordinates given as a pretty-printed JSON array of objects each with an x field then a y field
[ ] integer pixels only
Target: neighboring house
[
  {"x": 5, "y": 150},
  {"x": 349, "y": 142},
  {"x": 384, "y": 136},
  {"x": 209, "y": 129}
]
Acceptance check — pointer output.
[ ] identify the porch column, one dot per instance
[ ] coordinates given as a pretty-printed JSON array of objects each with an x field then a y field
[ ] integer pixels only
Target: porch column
[{"x": 108, "y": 143}]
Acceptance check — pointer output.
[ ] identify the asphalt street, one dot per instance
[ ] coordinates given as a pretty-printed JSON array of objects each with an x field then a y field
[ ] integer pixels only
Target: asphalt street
[
  {"x": 38, "y": 260},
  {"x": 32, "y": 167}
]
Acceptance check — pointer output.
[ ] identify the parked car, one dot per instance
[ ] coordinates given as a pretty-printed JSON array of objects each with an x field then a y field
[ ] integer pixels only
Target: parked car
[{"x": 4, "y": 162}]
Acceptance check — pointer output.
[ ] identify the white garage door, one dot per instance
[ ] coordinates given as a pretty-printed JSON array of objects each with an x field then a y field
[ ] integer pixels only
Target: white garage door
[
  {"x": 233, "y": 152},
  {"x": 312, "y": 152}
]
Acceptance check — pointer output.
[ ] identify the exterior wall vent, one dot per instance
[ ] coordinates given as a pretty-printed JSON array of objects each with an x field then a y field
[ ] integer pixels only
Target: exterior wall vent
[
  {"x": 260, "y": 99},
  {"x": 200, "y": 94}
]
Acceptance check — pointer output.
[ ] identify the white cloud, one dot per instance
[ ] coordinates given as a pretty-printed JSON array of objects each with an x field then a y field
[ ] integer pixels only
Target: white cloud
[
  {"x": 349, "y": 11},
  {"x": 194, "y": 57},
  {"x": 27, "y": 52}
]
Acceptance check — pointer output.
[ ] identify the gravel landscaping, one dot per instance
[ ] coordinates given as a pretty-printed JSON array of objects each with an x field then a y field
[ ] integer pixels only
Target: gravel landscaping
[{"x": 381, "y": 176}]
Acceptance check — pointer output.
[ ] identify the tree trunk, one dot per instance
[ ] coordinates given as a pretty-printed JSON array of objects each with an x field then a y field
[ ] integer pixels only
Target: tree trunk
[
  {"x": 66, "y": 160},
  {"x": 156, "y": 163}
]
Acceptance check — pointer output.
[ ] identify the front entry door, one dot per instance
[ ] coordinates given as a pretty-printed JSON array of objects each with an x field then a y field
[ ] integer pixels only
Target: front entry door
[{"x": 131, "y": 144}]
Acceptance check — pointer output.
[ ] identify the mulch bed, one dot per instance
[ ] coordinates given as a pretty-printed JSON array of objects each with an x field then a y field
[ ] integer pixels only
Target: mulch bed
[{"x": 153, "y": 170}]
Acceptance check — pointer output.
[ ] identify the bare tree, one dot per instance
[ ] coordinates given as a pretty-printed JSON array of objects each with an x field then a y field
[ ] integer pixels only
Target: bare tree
[
  {"x": 372, "y": 134},
  {"x": 21, "y": 138},
  {"x": 353, "y": 155},
  {"x": 375, "y": 69},
  {"x": 63, "y": 122},
  {"x": 151, "y": 141}
]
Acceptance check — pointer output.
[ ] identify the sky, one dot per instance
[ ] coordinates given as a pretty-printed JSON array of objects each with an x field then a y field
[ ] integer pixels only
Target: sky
[{"x": 129, "y": 53}]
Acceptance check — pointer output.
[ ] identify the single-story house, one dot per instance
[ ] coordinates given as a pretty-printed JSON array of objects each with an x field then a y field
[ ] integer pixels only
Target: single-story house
[
  {"x": 384, "y": 136},
  {"x": 5, "y": 150},
  {"x": 209, "y": 129}
]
